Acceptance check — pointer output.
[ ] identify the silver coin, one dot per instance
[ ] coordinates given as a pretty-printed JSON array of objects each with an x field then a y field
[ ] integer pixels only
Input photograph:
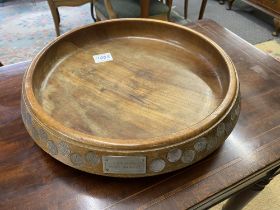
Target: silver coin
[
  {"x": 92, "y": 158},
  {"x": 201, "y": 144},
  {"x": 188, "y": 156},
  {"x": 237, "y": 110},
  {"x": 174, "y": 155},
  {"x": 63, "y": 148},
  {"x": 42, "y": 134},
  {"x": 229, "y": 126},
  {"x": 52, "y": 147},
  {"x": 212, "y": 142},
  {"x": 220, "y": 130},
  {"x": 28, "y": 120},
  {"x": 157, "y": 165},
  {"x": 76, "y": 159}
]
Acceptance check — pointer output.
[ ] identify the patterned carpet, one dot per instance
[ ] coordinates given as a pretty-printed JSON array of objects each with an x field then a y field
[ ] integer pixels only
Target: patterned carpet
[{"x": 27, "y": 27}]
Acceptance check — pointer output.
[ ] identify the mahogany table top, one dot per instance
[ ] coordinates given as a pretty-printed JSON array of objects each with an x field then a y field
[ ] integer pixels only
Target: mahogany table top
[{"x": 32, "y": 179}]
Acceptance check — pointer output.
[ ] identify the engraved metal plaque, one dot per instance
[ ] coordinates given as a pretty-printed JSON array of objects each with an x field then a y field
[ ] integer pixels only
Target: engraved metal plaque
[{"x": 124, "y": 164}]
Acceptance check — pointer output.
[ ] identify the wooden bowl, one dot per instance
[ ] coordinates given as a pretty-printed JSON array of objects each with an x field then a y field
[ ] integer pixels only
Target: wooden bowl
[{"x": 162, "y": 98}]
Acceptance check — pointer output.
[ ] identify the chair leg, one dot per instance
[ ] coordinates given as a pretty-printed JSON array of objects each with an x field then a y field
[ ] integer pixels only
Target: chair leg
[
  {"x": 186, "y": 9},
  {"x": 92, "y": 11},
  {"x": 55, "y": 15},
  {"x": 202, "y": 9},
  {"x": 230, "y": 2},
  {"x": 169, "y": 3},
  {"x": 58, "y": 15},
  {"x": 277, "y": 26}
]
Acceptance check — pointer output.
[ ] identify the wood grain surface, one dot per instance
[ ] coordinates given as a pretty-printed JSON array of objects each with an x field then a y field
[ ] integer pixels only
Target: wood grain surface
[
  {"x": 158, "y": 83},
  {"x": 31, "y": 179}
]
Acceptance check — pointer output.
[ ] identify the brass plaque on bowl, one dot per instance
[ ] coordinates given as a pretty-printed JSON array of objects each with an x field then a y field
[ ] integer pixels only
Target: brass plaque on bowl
[{"x": 124, "y": 164}]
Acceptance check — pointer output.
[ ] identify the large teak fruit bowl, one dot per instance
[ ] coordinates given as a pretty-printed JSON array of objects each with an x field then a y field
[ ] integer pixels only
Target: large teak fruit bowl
[{"x": 162, "y": 98}]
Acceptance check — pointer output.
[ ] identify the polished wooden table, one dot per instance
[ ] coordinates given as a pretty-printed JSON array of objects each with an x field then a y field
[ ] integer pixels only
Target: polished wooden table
[{"x": 31, "y": 179}]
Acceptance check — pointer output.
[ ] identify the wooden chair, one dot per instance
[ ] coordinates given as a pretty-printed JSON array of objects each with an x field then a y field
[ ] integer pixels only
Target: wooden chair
[
  {"x": 54, "y": 4},
  {"x": 201, "y": 12},
  {"x": 110, "y": 9}
]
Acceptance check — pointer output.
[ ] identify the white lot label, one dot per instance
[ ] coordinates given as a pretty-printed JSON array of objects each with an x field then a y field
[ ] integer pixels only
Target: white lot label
[{"x": 102, "y": 58}]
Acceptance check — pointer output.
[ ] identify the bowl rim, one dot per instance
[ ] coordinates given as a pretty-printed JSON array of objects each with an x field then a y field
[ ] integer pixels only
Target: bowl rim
[{"x": 181, "y": 136}]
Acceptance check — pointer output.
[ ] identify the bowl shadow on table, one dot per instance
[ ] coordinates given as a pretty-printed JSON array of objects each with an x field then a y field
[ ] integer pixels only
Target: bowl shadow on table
[
  {"x": 111, "y": 188},
  {"x": 45, "y": 177}
]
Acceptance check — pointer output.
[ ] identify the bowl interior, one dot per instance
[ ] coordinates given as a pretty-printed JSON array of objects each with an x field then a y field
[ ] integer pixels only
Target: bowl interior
[{"x": 162, "y": 79}]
